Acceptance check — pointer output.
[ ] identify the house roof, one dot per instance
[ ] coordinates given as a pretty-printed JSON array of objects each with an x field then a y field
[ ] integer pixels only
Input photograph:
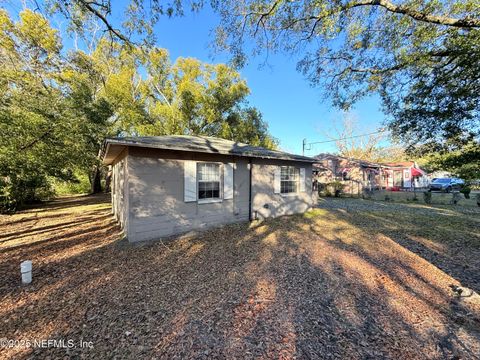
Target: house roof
[
  {"x": 322, "y": 157},
  {"x": 400, "y": 164},
  {"x": 112, "y": 147},
  {"x": 392, "y": 166}
]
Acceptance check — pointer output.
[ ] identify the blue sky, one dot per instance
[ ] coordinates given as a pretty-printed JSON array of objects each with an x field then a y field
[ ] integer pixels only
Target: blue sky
[{"x": 291, "y": 107}]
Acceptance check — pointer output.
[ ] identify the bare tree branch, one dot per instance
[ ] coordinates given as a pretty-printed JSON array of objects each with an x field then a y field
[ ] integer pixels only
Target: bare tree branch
[
  {"x": 264, "y": 15},
  {"x": 417, "y": 15},
  {"x": 89, "y": 6}
]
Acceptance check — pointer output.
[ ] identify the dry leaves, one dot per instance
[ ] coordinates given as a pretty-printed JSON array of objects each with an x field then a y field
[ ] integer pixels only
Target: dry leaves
[{"x": 353, "y": 280}]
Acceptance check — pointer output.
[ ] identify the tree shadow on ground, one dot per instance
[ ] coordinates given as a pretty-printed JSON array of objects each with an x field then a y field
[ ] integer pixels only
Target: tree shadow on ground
[
  {"x": 447, "y": 239},
  {"x": 67, "y": 203},
  {"x": 288, "y": 287}
]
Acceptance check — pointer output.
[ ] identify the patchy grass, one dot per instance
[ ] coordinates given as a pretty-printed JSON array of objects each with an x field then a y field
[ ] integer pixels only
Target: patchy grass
[
  {"x": 438, "y": 198},
  {"x": 356, "y": 279}
]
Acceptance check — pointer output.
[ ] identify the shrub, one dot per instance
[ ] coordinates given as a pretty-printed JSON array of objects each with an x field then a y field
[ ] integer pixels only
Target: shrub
[
  {"x": 321, "y": 188},
  {"x": 7, "y": 201},
  {"x": 455, "y": 198},
  {"x": 336, "y": 187},
  {"x": 466, "y": 190},
  {"x": 79, "y": 185},
  {"x": 20, "y": 190},
  {"x": 427, "y": 197}
]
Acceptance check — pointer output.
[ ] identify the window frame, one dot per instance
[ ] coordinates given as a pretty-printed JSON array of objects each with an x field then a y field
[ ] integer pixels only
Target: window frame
[
  {"x": 346, "y": 176},
  {"x": 296, "y": 180},
  {"x": 220, "y": 182}
]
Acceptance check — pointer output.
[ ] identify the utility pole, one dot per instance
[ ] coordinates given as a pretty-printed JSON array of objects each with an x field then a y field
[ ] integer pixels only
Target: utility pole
[{"x": 309, "y": 145}]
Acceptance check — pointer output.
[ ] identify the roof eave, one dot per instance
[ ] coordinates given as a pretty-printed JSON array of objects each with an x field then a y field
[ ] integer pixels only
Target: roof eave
[{"x": 109, "y": 141}]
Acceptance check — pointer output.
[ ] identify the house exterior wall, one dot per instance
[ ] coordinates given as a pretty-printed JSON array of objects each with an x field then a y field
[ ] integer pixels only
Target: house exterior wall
[
  {"x": 120, "y": 189},
  {"x": 403, "y": 178},
  {"x": 265, "y": 202},
  {"x": 148, "y": 189},
  {"x": 365, "y": 175},
  {"x": 156, "y": 194},
  {"x": 357, "y": 179}
]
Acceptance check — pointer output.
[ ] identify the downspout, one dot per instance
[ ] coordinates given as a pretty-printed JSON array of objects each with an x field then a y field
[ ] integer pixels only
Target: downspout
[{"x": 250, "y": 190}]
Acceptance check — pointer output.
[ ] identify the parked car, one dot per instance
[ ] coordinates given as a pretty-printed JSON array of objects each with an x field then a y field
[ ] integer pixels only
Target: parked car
[{"x": 446, "y": 184}]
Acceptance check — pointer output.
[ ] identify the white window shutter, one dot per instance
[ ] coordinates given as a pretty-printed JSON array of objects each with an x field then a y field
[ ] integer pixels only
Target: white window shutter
[
  {"x": 276, "y": 181},
  {"x": 302, "y": 179},
  {"x": 190, "y": 177},
  {"x": 228, "y": 181}
]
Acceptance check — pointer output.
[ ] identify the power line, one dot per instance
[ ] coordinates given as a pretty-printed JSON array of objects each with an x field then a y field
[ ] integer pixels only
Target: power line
[{"x": 305, "y": 144}]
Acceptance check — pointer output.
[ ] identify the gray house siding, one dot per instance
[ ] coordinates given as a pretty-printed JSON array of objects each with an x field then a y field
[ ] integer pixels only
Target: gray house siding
[
  {"x": 120, "y": 189},
  {"x": 266, "y": 203},
  {"x": 156, "y": 194},
  {"x": 148, "y": 192}
]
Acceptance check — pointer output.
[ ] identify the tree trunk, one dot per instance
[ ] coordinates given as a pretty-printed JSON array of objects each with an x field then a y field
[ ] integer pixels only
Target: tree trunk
[
  {"x": 96, "y": 185},
  {"x": 108, "y": 181}
]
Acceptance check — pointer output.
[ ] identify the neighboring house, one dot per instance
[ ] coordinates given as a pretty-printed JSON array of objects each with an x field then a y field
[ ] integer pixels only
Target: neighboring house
[
  {"x": 357, "y": 175},
  {"x": 404, "y": 175},
  {"x": 166, "y": 185},
  {"x": 353, "y": 173}
]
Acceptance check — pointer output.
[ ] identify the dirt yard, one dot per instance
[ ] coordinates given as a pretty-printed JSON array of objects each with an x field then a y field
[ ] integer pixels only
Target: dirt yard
[{"x": 353, "y": 279}]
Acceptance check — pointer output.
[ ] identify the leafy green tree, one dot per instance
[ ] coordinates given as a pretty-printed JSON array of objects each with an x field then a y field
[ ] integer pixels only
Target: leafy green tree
[
  {"x": 41, "y": 134},
  {"x": 459, "y": 156},
  {"x": 421, "y": 56},
  {"x": 185, "y": 98},
  {"x": 56, "y": 107},
  {"x": 83, "y": 95}
]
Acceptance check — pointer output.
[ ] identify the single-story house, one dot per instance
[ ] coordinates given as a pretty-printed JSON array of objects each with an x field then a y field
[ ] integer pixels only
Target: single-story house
[
  {"x": 404, "y": 175},
  {"x": 355, "y": 174},
  {"x": 165, "y": 185}
]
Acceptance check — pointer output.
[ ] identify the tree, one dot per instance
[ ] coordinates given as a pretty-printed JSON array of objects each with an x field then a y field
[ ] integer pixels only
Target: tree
[
  {"x": 185, "y": 98},
  {"x": 421, "y": 56},
  {"x": 41, "y": 133},
  {"x": 56, "y": 107},
  {"x": 460, "y": 157},
  {"x": 84, "y": 84},
  {"x": 369, "y": 147},
  {"x": 139, "y": 16}
]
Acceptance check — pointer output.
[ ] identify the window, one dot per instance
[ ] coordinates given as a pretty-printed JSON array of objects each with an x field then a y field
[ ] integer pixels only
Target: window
[
  {"x": 208, "y": 181},
  {"x": 371, "y": 176},
  {"x": 289, "y": 179}
]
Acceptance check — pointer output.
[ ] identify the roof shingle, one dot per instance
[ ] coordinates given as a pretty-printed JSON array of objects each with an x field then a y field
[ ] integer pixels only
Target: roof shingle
[{"x": 201, "y": 144}]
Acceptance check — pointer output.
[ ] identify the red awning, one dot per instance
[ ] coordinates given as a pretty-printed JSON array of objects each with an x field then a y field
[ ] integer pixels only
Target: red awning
[{"x": 416, "y": 172}]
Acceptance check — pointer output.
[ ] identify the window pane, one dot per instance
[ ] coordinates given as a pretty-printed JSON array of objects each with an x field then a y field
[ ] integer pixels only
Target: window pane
[
  {"x": 289, "y": 178},
  {"x": 202, "y": 193},
  {"x": 208, "y": 180},
  {"x": 208, "y": 172}
]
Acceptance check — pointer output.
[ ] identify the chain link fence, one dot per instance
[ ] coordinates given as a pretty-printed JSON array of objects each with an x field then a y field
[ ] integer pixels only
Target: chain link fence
[{"x": 366, "y": 190}]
